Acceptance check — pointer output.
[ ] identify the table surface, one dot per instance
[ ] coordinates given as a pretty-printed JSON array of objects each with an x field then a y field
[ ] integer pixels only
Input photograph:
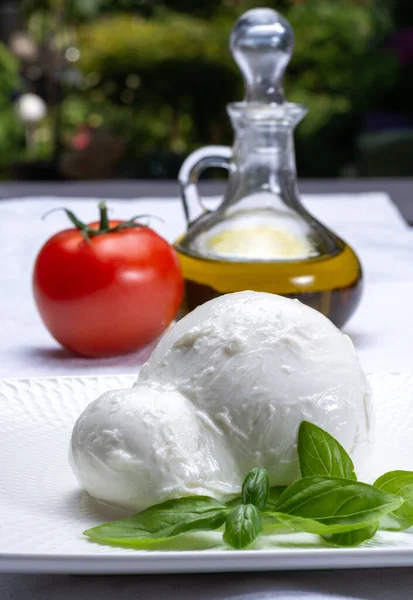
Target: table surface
[
  {"x": 377, "y": 584},
  {"x": 400, "y": 190}
]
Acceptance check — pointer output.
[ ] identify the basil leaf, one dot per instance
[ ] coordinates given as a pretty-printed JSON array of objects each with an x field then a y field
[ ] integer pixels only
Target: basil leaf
[
  {"x": 162, "y": 521},
  {"x": 243, "y": 526},
  {"x": 274, "y": 496},
  {"x": 272, "y": 500},
  {"x": 256, "y": 487},
  {"x": 271, "y": 525},
  {"x": 235, "y": 502},
  {"x": 353, "y": 538},
  {"x": 334, "y": 501},
  {"x": 320, "y": 454},
  {"x": 312, "y": 526},
  {"x": 401, "y": 484}
]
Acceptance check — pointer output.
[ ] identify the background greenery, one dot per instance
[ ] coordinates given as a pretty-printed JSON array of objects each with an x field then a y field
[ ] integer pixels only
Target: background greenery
[
  {"x": 11, "y": 131},
  {"x": 158, "y": 74}
]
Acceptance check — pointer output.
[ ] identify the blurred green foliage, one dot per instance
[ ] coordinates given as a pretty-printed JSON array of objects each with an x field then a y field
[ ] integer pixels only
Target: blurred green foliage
[
  {"x": 11, "y": 130},
  {"x": 186, "y": 75},
  {"x": 174, "y": 66},
  {"x": 159, "y": 74},
  {"x": 339, "y": 72},
  {"x": 8, "y": 73}
]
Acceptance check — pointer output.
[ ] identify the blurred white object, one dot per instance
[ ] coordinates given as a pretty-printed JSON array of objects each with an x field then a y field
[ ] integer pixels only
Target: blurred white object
[
  {"x": 22, "y": 46},
  {"x": 72, "y": 54},
  {"x": 31, "y": 109}
]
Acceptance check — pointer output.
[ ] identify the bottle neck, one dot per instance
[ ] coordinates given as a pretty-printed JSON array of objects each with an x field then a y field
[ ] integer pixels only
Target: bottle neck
[{"x": 264, "y": 163}]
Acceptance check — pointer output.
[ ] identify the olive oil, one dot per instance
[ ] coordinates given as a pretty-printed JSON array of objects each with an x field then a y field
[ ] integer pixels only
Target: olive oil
[{"x": 331, "y": 284}]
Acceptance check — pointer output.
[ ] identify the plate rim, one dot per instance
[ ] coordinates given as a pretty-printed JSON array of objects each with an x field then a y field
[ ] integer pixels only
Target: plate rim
[{"x": 193, "y": 561}]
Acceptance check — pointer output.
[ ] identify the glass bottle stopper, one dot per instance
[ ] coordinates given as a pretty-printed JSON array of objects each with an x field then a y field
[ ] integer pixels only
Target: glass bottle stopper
[{"x": 262, "y": 43}]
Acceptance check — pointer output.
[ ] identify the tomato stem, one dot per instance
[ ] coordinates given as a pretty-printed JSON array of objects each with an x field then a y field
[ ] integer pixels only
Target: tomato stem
[
  {"x": 104, "y": 227},
  {"x": 104, "y": 221}
]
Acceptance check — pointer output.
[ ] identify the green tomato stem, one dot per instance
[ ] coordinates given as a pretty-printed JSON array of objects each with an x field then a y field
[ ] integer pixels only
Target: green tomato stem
[
  {"x": 104, "y": 221},
  {"x": 104, "y": 227}
]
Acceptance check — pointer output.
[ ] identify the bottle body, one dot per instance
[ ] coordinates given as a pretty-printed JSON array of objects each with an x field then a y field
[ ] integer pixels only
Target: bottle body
[
  {"x": 261, "y": 237},
  {"x": 331, "y": 284}
]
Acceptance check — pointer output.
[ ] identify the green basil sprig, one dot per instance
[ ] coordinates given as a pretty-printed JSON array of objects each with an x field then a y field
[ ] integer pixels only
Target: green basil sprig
[
  {"x": 256, "y": 487},
  {"x": 161, "y": 522},
  {"x": 243, "y": 526},
  {"x": 320, "y": 454},
  {"x": 328, "y": 501},
  {"x": 353, "y": 538},
  {"x": 327, "y": 505},
  {"x": 401, "y": 484}
]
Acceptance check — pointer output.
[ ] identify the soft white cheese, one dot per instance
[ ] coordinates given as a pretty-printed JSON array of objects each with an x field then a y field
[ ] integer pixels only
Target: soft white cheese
[
  {"x": 225, "y": 390},
  {"x": 140, "y": 446}
]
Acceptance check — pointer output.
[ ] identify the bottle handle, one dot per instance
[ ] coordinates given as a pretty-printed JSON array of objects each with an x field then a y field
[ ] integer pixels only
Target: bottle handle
[{"x": 191, "y": 169}]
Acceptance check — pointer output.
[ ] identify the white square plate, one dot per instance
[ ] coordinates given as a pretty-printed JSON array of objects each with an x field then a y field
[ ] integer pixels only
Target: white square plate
[{"x": 43, "y": 511}]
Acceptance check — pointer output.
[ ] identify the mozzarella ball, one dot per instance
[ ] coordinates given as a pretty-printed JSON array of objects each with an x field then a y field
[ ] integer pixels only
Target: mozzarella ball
[
  {"x": 225, "y": 390},
  {"x": 258, "y": 364},
  {"x": 140, "y": 446}
]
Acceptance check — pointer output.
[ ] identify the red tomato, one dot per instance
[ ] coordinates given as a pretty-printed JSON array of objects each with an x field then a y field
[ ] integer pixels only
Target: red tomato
[{"x": 110, "y": 295}]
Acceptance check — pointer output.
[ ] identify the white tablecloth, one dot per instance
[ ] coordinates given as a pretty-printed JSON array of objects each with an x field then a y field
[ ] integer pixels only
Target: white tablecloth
[{"x": 382, "y": 330}]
